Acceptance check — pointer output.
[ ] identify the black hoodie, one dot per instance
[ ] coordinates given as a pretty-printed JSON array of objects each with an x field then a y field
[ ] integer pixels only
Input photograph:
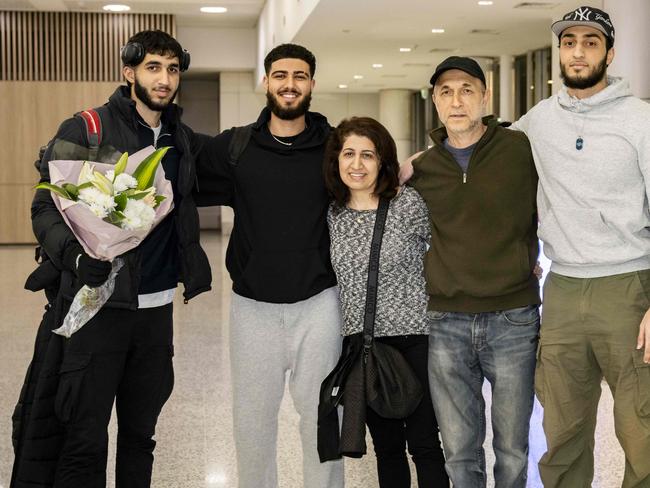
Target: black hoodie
[{"x": 279, "y": 247}]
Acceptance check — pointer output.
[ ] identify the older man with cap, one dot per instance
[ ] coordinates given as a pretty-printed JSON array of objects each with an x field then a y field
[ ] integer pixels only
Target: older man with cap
[
  {"x": 591, "y": 144},
  {"x": 479, "y": 183}
]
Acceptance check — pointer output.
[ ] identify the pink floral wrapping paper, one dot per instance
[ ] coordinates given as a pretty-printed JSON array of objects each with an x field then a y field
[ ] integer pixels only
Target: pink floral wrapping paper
[{"x": 100, "y": 239}]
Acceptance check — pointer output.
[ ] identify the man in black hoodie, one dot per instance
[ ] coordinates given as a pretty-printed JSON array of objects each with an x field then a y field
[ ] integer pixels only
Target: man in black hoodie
[
  {"x": 285, "y": 311},
  {"x": 124, "y": 353}
]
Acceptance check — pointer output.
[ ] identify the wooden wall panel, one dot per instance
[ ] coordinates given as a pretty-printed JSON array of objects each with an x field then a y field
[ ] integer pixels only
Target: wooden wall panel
[
  {"x": 52, "y": 64},
  {"x": 37, "y": 109},
  {"x": 69, "y": 46},
  {"x": 15, "y": 224}
]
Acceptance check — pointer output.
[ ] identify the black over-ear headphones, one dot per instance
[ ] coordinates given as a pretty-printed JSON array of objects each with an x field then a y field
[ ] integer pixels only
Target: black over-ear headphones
[{"x": 133, "y": 53}]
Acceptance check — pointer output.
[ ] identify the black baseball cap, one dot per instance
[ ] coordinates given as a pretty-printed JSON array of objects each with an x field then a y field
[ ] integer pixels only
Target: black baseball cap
[
  {"x": 589, "y": 16},
  {"x": 468, "y": 65}
]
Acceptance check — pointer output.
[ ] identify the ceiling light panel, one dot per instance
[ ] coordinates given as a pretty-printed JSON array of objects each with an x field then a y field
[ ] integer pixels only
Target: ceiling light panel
[
  {"x": 114, "y": 7},
  {"x": 214, "y": 10}
]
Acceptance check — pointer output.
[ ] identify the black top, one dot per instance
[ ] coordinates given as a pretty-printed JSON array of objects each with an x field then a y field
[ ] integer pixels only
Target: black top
[
  {"x": 159, "y": 250},
  {"x": 279, "y": 246}
]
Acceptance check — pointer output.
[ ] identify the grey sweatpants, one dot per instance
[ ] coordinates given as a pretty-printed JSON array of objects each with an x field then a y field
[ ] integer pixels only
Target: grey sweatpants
[{"x": 266, "y": 341}]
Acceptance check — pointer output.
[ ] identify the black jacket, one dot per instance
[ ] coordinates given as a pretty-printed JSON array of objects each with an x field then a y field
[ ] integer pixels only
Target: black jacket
[
  {"x": 37, "y": 434},
  {"x": 120, "y": 123},
  {"x": 279, "y": 246}
]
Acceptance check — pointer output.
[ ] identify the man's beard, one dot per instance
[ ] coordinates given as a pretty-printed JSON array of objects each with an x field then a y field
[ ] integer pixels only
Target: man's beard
[
  {"x": 582, "y": 83},
  {"x": 290, "y": 113},
  {"x": 143, "y": 96}
]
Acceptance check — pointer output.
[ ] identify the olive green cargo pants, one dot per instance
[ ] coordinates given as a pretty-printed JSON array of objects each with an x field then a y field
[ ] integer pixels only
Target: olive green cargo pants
[{"x": 589, "y": 331}]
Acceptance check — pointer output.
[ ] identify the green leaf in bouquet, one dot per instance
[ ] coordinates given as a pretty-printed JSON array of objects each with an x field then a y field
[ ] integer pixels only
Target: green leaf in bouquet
[
  {"x": 146, "y": 171},
  {"x": 138, "y": 195},
  {"x": 159, "y": 199},
  {"x": 72, "y": 190},
  {"x": 120, "y": 166},
  {"x": 87, "y": 184},
  {"x": 102, "y": 183},
  {"x": 121, "y": 200},
  {"x": 115, "y": 217},
  {"x": 55, "y": 189}
]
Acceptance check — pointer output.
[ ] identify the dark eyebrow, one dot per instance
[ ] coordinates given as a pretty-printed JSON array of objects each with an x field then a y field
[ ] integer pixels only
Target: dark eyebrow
[
  {"x": 285, "y": 72},
  {"x": 591, "y": 34}
]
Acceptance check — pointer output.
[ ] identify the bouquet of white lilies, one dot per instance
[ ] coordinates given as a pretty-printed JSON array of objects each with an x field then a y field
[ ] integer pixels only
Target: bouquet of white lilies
[{"x": 110, "y": 209}]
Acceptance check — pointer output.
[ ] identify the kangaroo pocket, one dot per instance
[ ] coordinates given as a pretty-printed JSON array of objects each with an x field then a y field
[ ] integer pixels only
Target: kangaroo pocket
[
  {"x": 576, "y": 235},
  {"x": 285, "y": 276}
]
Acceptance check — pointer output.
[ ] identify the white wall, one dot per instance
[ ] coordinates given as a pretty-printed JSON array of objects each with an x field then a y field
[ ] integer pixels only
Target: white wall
[
  {"x": 279, "y": 23},
  {"x": 339, "y": 106},
  {"x": 241, "y": 104},
  {"x": 219, "y": 49}
]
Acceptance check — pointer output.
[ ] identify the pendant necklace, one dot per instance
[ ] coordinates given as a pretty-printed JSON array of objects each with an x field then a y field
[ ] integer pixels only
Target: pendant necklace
[{"x": 580, "y": 142}]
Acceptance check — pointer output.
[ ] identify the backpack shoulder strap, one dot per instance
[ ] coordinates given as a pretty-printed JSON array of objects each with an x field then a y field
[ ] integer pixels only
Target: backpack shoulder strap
[
  {"x": 93, "y": 123},
  {"x": 240, "y": 137}
]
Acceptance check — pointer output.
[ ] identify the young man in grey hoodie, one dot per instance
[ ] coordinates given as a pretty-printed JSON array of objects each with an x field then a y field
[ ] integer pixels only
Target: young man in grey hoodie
[{"x": 591, "y": 144}]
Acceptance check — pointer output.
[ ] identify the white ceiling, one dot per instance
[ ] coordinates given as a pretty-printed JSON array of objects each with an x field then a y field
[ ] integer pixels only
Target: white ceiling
[
  {"x": 348, "y": 36},
  {"x": 241, "y": 13}
]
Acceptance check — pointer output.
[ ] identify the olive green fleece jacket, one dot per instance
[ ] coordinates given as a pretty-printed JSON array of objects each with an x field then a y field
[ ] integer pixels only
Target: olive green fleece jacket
[{"x": 484, "y": 243}]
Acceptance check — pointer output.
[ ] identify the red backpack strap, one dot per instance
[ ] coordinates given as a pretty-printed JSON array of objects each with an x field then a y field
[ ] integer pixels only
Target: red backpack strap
[{"x": 93, "y": 130}]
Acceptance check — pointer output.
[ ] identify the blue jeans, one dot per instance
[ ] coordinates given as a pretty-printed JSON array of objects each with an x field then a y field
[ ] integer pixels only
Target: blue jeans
[{"x": 465, "y": 348}]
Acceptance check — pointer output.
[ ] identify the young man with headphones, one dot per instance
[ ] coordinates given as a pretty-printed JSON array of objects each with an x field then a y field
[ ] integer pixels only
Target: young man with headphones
[{"x": 124, "y": 354}]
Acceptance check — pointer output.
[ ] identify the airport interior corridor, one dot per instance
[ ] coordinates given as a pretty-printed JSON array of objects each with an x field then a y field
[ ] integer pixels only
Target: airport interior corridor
[{"x": 194, "y": 435}]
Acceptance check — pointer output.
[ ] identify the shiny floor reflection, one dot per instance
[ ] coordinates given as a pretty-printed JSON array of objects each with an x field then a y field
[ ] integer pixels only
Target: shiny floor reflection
[{"x": 194, "y": 435}]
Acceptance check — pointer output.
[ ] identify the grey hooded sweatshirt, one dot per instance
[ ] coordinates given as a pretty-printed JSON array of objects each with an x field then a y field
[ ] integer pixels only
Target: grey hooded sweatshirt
[{"x": 592, "y": 202}]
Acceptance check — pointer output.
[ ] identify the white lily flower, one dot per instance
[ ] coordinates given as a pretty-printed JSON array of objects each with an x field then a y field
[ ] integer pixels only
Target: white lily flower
[{"x": 86, "y": 173}]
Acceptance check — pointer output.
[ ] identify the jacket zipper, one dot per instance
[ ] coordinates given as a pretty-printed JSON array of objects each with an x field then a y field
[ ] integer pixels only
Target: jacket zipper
[{"x": 464, "y": 178}]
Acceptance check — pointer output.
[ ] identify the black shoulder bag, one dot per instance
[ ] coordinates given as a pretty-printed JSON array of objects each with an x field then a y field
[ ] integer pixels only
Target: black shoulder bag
[{"x": 392, "y": 389}]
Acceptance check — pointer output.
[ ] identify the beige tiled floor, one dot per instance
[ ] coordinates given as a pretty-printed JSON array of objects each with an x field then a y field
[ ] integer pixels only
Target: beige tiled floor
[{"x": 195, "y": 447}]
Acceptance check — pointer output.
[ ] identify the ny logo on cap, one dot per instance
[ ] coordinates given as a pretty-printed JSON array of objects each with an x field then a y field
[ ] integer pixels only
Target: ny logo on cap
[{"x": 581, "y": 14}]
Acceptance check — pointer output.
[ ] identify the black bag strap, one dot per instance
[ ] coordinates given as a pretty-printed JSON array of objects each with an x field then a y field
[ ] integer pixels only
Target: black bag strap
[
  {"x": 240, "y": 137},
  {"x": 373, "y": 275}
]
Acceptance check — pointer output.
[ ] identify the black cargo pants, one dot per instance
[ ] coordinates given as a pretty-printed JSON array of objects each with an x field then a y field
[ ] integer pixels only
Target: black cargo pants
[{"x": 123, "y": 356}]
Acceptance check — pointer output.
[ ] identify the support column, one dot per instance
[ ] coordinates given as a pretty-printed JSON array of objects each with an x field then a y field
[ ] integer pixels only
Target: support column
[
  {"x": 632, "y": 57},
  {"x": 395, "y": 115},
  {"x": 506, "y": 88}
]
